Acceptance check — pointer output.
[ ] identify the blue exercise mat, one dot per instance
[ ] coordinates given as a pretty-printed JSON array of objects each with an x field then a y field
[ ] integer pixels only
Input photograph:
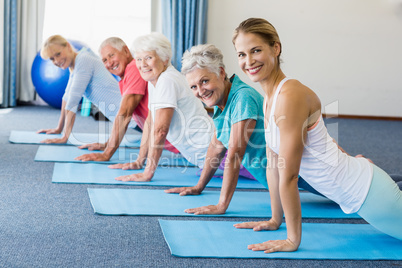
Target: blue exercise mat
[
  {"x": 243, "y": 204},
  {"x": 164, "y": 176},
  {"x": 55, "y": 153},
  {"x": 30, "y": 137},
  {"x": 219, "y": 239}
]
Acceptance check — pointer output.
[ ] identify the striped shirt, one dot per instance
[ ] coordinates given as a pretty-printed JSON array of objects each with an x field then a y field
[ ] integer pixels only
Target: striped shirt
[{"x": 92, "y": 80}]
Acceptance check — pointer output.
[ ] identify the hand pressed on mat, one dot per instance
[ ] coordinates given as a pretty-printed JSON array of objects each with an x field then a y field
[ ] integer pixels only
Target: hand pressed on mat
[
  {"x": 56, "y": 140},
  {"x": 49, "y": 131},
  {"x": 271, "y": 245},
  {"x": 93, "y": 157},
  {"x": 270, "y": 225},
  {"x": 274, "y": 246},
  {"x": 211, "y": 209},
  {"x": 127, "y": 166},
  {"x": 184, "y": 191},
  {"x": 145, "y": 176},
  {"x": 93, "y": 146}
]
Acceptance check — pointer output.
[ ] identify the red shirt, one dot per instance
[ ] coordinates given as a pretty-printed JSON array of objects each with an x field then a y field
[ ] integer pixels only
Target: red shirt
[{"x": 132, "y": 83}]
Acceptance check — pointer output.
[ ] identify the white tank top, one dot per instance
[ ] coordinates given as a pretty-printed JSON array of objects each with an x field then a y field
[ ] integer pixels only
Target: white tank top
[{"x": 340, "y": 177}]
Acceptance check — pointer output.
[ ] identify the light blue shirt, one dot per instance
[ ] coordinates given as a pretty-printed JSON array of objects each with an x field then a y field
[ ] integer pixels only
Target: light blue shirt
[{"x": 243, "y": 103}]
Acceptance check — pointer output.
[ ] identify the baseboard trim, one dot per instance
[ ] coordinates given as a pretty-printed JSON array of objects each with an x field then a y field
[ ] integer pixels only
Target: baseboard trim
[{"x": 369, "y": 117}]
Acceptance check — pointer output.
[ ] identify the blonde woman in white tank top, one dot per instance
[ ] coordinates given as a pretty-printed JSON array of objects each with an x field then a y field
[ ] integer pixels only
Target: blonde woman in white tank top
[{"x": 298, "y": 143}]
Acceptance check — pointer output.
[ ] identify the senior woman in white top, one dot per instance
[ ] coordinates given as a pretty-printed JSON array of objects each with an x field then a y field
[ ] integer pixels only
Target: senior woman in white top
[{"x": 174, "y": 112}]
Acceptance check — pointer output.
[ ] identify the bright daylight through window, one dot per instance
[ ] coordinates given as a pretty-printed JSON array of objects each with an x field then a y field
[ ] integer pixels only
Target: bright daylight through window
[{"x": 92, "y": 21}]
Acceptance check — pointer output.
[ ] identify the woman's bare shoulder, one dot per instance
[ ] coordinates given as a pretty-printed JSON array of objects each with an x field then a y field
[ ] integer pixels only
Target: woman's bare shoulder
[{"x": 295, "y": 95}]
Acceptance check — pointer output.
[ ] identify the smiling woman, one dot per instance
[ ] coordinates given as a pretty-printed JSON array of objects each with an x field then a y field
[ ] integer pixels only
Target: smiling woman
[
  {"x": 150, "y": 65},
  {"x": 59, "y": 51},
  {"x": 295, "y": 131}
]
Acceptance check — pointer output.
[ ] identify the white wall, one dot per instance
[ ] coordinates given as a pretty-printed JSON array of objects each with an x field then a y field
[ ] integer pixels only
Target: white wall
[{"x": 348, "y": 51}]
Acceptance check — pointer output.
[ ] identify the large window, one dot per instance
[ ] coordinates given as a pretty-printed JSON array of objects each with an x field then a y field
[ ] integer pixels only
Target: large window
[{"x": 92, "y": 21}]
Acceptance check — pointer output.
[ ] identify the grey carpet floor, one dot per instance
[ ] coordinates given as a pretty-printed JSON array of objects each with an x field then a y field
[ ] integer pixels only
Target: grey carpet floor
[{"x": 53, "y": 225}]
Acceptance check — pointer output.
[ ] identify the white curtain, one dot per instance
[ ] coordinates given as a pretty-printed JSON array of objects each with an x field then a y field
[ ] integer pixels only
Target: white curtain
[{"x": 31, "y": 19}]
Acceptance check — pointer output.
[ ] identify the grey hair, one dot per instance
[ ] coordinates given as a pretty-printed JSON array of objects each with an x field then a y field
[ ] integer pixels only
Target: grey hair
[
  {"x": 114, "y": 42},
  {"x": 154, "y": 42},
  {"x": 203, "y": 57}
]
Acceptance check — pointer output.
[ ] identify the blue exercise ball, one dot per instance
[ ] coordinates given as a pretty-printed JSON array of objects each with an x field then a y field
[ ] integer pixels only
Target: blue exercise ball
[{"x": 50, "y": 81}]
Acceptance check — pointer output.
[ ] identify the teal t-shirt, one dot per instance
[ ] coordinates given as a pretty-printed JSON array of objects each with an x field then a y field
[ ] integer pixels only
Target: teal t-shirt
[{"x": 244, "y": 102}]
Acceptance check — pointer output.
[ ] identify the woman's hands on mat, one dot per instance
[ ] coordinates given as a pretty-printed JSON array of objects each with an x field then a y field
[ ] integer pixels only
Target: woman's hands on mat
[
  {"x": 144, "y": 176},
  {"x": 62, "y": 140},
  {"x": 194, "y": 190},
  {"x": 211, "y": 210},
  {"x": 271, "y": 245},
  {"x": 94, "y": 146},
  {"x": 49, "y": 131},
  {"x": 52, "y": 131},
  {"x": 101, "y": 157},
  {"x": 274, "y": 246},
  {"x": 128, "y": 166}
]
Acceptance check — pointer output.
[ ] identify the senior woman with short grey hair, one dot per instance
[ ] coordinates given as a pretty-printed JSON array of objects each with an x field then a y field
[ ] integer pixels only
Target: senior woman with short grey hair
[
  {"x": 174, "y": 112},
  {"x": 238, "y": 120}
]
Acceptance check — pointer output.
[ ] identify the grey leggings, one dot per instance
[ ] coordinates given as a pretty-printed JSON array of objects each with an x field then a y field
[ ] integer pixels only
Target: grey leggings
[{"x": 383, "y": 205}]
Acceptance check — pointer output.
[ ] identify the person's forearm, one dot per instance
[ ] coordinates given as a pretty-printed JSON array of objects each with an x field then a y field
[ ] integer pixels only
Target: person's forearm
[
  {"x": 68, "y": 124},
  {"x": 119, "y": 129},
  {"x": 212, "y": 161},
  {"x": 155, "y": 151},
  {"x": 158, "y": 134},
  {"x": 144, "y": 147},
  {"x": 128, "y": 104},
  {"x": 62, "y": 118},
  {"x": 289, "y": 194},
  {"x": 273, "y": 186},
  {"x": 230, "y": 178}
]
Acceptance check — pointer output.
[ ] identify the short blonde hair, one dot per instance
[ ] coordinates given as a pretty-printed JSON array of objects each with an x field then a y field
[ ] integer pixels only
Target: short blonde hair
[
  {"x": 52, "y": 40},
  {"x": 154, "y": 42},
  {"x": 262, "y": 28}
]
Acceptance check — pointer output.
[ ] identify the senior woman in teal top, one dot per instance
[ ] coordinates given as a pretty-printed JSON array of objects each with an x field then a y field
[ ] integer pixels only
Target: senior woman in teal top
[{"x": 239, "y": 122}]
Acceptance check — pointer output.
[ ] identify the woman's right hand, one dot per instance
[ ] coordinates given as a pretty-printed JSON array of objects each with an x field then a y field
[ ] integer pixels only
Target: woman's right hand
[
  {"x": 127, "y": 166},
  {"x": 49, "y": 131},
  {"x": 93, "y": 146},
  {"x": 184, "y": 191},
  {"x": 258, "y": 225}
]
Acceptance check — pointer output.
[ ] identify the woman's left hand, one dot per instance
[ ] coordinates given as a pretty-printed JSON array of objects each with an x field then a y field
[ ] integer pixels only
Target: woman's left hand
[
  {"x": 93, "y": 157},
  {"x": 134, "y": 177},
  {"x": 211, "y": 209},
  {"x": 57, "y": 140},
  {"x": 274, "y": 246}
]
